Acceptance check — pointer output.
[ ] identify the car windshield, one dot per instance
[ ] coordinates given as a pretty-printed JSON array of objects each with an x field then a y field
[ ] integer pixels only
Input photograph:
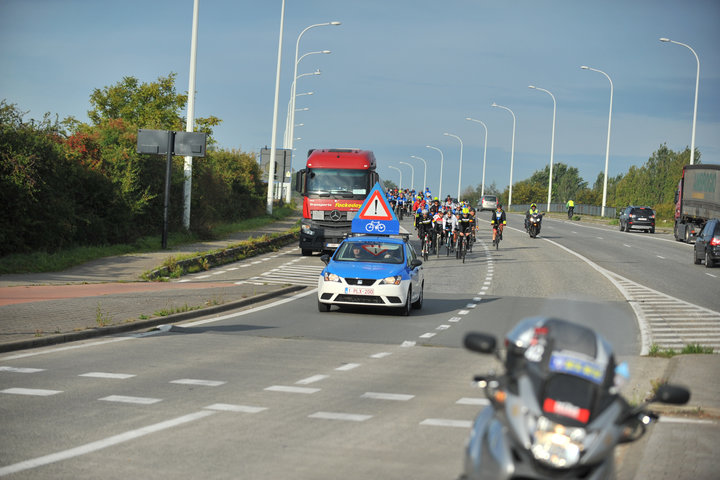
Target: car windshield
[
  {"x": 488, "y": 198},
  {"x": 645, "y": 212},
  {"x": 370, "y": 252},
  {"x": 346, "y": 182}
]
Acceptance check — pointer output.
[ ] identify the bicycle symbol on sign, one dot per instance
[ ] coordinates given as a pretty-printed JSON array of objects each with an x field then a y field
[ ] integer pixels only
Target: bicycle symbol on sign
[{"x": 375, "y": 226}]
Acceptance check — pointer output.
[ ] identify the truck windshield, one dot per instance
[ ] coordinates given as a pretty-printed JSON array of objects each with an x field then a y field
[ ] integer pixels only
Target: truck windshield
[{"x": 340, "y": 181}]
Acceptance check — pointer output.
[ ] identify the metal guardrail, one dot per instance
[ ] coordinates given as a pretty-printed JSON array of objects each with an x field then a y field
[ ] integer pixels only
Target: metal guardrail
[{"x": 580, "y": 209}]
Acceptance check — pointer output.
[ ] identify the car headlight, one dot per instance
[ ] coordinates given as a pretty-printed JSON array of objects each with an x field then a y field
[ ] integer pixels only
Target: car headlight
[
  {"x": 557, "y": 445},
  {"x": 394, "y": 280},
  {"x": 306, "y": 229},
  {"x": 331, "y": 277}
]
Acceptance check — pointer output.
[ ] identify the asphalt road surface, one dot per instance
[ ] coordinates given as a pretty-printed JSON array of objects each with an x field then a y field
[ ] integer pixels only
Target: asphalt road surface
[{"x": 281, "y": 390}]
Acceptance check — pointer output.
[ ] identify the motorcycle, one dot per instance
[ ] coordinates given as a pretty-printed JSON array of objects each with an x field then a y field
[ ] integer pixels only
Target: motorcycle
[
  {"x": 534, "y": 224},
  {"x": 556, "y": 411}
]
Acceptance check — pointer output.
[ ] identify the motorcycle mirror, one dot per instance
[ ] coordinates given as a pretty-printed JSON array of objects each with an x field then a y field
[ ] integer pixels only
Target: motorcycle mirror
[
  {"x": 480, "y": 342},
  {"x": 672, "y": 394}
]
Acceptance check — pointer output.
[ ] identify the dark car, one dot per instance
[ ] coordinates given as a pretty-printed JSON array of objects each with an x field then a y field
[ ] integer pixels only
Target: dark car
[
  {"x": 638, "y": 218},
  {"x": 707, "y": 244}
]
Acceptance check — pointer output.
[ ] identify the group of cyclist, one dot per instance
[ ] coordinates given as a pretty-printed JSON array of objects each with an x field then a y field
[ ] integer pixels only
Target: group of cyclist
[{"x": 445, "y": 222}]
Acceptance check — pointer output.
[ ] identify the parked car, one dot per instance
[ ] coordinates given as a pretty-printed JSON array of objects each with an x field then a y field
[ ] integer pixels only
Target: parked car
[
  {"x": 487, "y": 202},
  {"x": 707, "y": 244},
  {"x": 372, "y": 271},
  {"x": 638, "y": 218}
]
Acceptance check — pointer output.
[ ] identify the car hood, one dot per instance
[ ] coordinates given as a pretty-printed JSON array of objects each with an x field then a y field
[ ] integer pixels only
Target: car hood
[{"x": 365, "y": 270}]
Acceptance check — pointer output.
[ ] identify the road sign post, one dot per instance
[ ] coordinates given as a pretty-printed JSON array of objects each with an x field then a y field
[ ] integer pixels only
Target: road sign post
[{"x": 166, "y": 142}]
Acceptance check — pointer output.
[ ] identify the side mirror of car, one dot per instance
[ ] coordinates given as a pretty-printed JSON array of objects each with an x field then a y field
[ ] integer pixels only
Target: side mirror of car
[
  {"x": 325, "y": 258},
  {"x": 415, "y": 263}
]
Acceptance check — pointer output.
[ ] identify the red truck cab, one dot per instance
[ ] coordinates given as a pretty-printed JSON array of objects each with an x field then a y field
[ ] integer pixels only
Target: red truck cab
[{"x": 334, "y": 185}]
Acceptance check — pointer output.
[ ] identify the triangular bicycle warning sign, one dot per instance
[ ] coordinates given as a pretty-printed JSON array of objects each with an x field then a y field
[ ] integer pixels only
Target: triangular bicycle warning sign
[
  {"x": 376, "y": 216},
  {"x": 376, "y": 208}
]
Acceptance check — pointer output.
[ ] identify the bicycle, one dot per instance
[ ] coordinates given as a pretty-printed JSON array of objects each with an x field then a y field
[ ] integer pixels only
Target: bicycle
[
  {"x": 425, "y": 246},
  {"x": 462, "y": 246},
  {"x": 498, "y": 237},
  {"x": 438, "y": 242},
  {"x": 449, "y": 244}
]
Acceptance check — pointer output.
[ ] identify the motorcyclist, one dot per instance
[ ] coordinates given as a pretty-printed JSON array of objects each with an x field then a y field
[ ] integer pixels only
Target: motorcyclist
[{"x": 531, "y": 211}]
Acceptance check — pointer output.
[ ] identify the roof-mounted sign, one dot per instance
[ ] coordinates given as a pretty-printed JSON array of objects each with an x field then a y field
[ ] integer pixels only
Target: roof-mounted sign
[{"x": 376, "y": 216}]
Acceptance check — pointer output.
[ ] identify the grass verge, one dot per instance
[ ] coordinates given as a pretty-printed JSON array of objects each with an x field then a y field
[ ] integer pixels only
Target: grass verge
[{"x": 39, "y": 262}]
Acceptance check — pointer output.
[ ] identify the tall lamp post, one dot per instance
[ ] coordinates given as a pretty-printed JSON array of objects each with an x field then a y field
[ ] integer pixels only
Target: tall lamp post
[
  {"x": 512, "y": 151},
  {"x": 399, "y": 171},
  {"x": 412, "y": 173},
  {"x": 552, "y": 143},
  {"x": 273, "y": 135},
  {"x": 189, "y": 125},
  {"x": 482, "y": 187},
  {"x": 293, "y": 88},
  {"x": 607, "y": 148},
  {"x": 697, "y": 84},
  {"x": 461, "y": 155},
  {"x": 425, "y": 175},
  {"x": 442, "y": 161}
]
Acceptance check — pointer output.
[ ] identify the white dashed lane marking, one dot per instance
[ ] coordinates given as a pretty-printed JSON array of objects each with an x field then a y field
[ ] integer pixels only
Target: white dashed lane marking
[
  {"x": 126, "y": 399},
  {"x": 387, "y": 396},
  {"x": 31, "y": 391},
  {"x": 286, "y": 389},
  {"x": 351, "y": 417},
  {"x": 114, "y": 376},
  {"x": 202, "y": 383},
  {"x": 224, "y": 407},
  {"x": 21, "y": 370}
]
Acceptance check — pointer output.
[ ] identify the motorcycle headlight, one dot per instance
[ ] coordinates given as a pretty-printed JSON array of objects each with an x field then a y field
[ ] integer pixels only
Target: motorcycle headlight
[
  {"x": 394, "y": 280},
  {"x": 557, "y": 445},
  {"x": 331, "y": 277}
]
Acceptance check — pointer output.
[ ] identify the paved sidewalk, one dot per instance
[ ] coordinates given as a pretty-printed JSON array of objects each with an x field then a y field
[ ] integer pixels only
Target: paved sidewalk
[{"x": 107, "y": 296}]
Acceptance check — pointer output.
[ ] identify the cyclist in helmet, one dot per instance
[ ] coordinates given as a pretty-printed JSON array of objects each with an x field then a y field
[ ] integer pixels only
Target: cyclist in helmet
[
  {"x": 498, "y": 221},
  {"x": 424, "y": 225},
  {"x": 465, "y": 224},
  {"x": 532, "y": 210}
]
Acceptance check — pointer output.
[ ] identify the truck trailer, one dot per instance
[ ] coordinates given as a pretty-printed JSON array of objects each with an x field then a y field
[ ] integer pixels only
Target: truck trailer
[
  {"x": 697, "y": 199},
  {"x": 333, "y": 184}
]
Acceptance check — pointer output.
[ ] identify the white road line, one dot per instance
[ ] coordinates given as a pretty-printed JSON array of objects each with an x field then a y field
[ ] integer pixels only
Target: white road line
[
  {"x": 658, "y": 256},
  {"x": 686, "y": 420},
  {"x": 442, "y": 327},
  {"x": 351, "y": 417},
  {"x": 381, "y": 355},
  {"x": 441, "y": 422},
  {"x": 398, "y": 397},
  {"x": 200, "y": 277},
  {"x": 473, "y": 401},
  {"x": 21, "y": 370},
  {"x": 454, "y": 319},
  {"x": 116, "y": 376},
  {"x": 313, "y": 379},
  {"x": 347, "y": 366},
  {"x": 100, "y": 444},
  {"x": 194, "y": 381},
  {"x": 408, "y": 343},
  {"x": 285, "y": 389},
  {"x": 31, "y": 391},
  {"x": 471, "y": 305},
  {"x": 428, "y": 335},
  {"x": 463, "y": 312},
  {"x": 62, "y": 349},
  {"x": 126, "y": 399},
  {"x": 225, "y": 407}
]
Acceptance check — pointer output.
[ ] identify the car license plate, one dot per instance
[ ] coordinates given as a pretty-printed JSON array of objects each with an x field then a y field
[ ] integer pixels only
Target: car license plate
[
  {"x": 332, "y": 245},
  {"x": 642, "y": 218},
  {"x": 359, "y": 291}
]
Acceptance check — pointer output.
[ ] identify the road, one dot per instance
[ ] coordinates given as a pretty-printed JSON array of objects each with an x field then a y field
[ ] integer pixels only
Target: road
[{"x": 281, "y": 390}]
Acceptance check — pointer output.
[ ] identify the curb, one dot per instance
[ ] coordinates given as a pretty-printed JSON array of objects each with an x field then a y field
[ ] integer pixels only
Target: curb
[
  {"x": 224, "y": 256},
  {"x": 139, "y": 325}
]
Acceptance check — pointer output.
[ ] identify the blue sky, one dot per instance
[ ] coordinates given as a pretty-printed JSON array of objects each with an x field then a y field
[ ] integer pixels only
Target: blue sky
[{"x": 401, "y": 73}]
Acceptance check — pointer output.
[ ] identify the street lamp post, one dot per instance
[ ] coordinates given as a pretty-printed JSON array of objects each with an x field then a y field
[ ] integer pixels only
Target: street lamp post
[
  {"x": 425, "y": 175},
  {"x": 552, "y": 143},
  {"x": 697, "y": 84},
  {"x": 399, "y": 171},
  {"x": 273, "y": 135},
  {"x": 412, "y": 173},
  {"x": 607, "y": 148},
  {"x": 512, "y": 151},
  {"x": 293, "y": 89},
  {"x": 461, "y": 155},
  {"x": 482, "y": 187},
  {"x": 442, "y": 161},
  {"x": 287, "y": 119}
]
